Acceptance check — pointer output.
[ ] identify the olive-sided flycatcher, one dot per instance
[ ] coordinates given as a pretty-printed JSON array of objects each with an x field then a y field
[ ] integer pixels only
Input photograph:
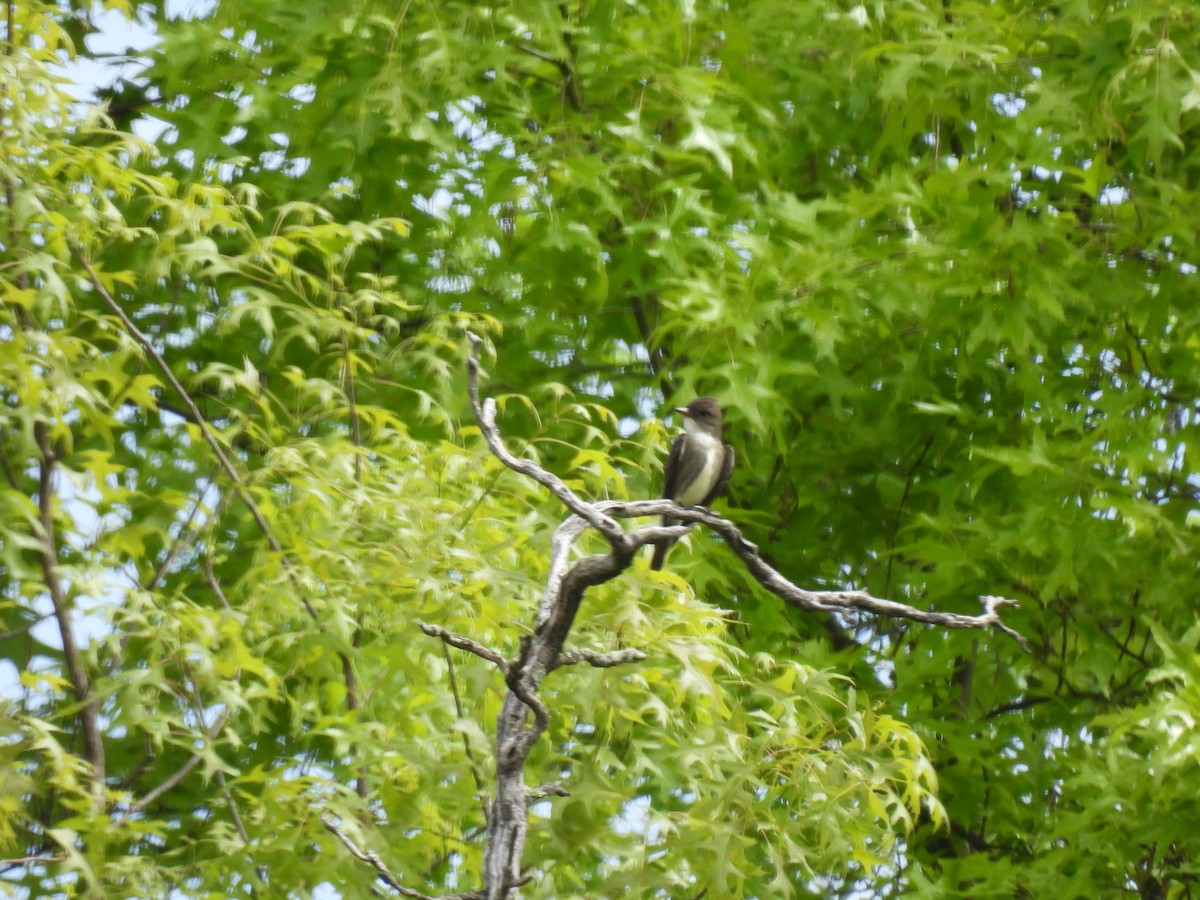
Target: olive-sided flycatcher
[{"x": 699, "y": 465}]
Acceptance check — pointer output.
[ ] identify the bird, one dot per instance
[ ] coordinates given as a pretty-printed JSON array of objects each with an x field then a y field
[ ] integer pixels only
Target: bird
[{"x": 699, "y": 466}]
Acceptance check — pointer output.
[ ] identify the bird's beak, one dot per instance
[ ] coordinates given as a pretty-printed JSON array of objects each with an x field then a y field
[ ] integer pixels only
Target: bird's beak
[{"x": 683, "y": 411}]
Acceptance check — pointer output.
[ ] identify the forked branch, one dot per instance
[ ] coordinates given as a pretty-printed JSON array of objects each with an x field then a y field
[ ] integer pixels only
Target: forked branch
[{"x": 524, "y": 715}]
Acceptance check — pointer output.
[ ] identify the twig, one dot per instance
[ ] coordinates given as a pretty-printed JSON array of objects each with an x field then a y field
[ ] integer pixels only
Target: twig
[
  {"x": 485, "y": 416},
  {"x": 232, "y": 806},
  {"x": 217, "y": 590},
  {"x": 211, "y": 735},
  {"x": 569, "y": 85},
  {"x": 353, "y": 696},
  {"x": 23, "y": 629},
  {"x": 7, "y": 864},
  {"x": 476, "y": 774},
  {"x": 909, "y": 478},
  {"x": 185, "y": 538},
  {"x": 599, "y": 659},
  {"x": 384, "y": 873},
  {"x": 6, "y": 464},
  {"x": 1017, "y": 706},
  {"x": 174, "y": 778},
  {"x": 465, "y": 643}
]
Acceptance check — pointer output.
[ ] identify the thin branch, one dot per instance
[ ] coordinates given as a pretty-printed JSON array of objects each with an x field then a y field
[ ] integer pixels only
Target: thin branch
[
  {"x": 813, "y": 601},
  {"x": 473, "y": 763},
  {"x": 538, "y": 53},
  {"x": 9, "y": 864},
  {"x": 485, "y": 416},
  {"x": 159, "y": 330},
  {"x": 570, "y": 86},
  {"x": 908, "y": 483},
  {"x": 553, "y": 789},
  {"x": 89, "y": 713},
  {"x": 186, "y": 537},
  {"x": 215, "y": 729},
  {"x": 181, "y": 391},
  {"x": 1017, "y": 706},
  {"x": 6, "y": 464},
  {"x": 218, "y": 775},
  {"x": 205, "y": 431},
  {"x": 175, "y": 777},
  {"x": 217, "y": 590},
  {"x": 354, "y": 701},
  {"x": 658, "y": 356},
  {"x": 465, "y": 643},
  {"x": 1123, "y": 646},
  {"x": 23, "y": 629},
  {"x": 599, "y": 659},
  {"x": 353, "y": 696},
  {"x": 10, "y": 187},
  {"x": 231, "y": 805},
  {"x": 569, "y": 65},
  {"x": 382, "y": 871},
  {"x": 352, "y": 401}
]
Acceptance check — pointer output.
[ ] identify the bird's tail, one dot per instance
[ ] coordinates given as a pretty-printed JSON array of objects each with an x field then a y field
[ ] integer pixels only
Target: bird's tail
[{"x": 660, "y": 550}]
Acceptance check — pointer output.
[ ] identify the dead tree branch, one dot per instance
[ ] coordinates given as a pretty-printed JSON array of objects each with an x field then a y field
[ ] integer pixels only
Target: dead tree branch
[
  {"x": 598, "y": 659},
  {"x": 541, "y": 653},
  {"x": 382, "y": 871},
  {"x": 465, "y": 643}
]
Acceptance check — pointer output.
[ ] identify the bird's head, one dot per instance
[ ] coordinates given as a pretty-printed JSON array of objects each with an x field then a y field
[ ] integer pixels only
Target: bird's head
[{"x": 701, "y": 415}]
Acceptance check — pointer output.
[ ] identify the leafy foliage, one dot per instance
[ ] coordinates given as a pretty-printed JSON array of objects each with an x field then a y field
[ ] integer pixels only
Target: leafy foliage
[{"x": 937, "y": 262}]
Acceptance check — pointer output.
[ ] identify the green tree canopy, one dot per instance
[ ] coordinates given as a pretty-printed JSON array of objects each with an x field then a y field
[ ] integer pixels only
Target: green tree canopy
[{"x": 936, "y": 260}]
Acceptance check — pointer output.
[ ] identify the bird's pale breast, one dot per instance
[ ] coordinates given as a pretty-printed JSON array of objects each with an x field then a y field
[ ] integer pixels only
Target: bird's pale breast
[{"x": 713, "y": 460}]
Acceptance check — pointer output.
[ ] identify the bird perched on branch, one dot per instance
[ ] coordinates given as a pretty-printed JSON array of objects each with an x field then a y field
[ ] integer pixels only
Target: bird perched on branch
[{"x": 699, "y": 466}]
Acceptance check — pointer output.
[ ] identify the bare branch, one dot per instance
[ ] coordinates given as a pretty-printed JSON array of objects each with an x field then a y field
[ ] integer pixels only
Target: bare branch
[
  {"x": 553, "y": 789},
  {"x": 542, "y": 652},
  {"x": 17, "y": 862},
  {"x": 465, "y": 643},
  {"x": 564, "y": 538},
  {"x": 485, "y": 416},
  {"x": 384, "y": 873},
  {"x": 599, "y": 659},
  {"x": 815, "y": 601}
]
